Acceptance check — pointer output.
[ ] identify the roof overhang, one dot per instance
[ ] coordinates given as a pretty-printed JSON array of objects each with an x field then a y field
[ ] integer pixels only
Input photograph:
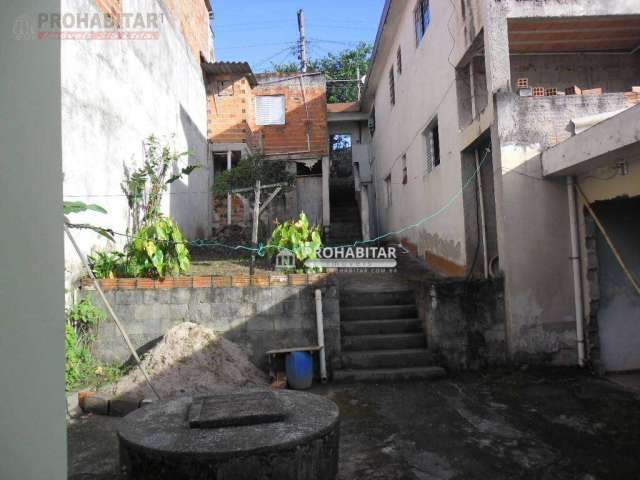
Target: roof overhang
[
  {"x": 619, "y": 33},
  {"x": 230, "y": 68},
  {"x": 612, "y": 140}
]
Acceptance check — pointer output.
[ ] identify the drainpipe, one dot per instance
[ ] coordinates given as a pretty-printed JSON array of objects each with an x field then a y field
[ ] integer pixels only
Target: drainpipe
[
  {"x": 577, "y": 270},
  {"x": 483, "y": 224},
  {"x": 320, "y": 325}
]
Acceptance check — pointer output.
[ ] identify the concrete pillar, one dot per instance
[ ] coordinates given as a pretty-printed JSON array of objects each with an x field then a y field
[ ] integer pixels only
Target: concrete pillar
[
  {"x": 32, "y": 410},
  {"x": 364, "y": 212},
  {"x": 228, "y": 194},
  {"x": 496, "y": 47},
  {"x": 326, "y": 209}
]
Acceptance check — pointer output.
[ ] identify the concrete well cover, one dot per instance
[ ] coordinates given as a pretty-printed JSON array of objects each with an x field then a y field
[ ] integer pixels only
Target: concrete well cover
[{"x": 235, "y": 409}]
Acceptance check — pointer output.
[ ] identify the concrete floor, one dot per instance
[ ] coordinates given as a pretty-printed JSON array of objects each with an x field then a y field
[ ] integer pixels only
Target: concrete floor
[{"x": 547, "y": 424}]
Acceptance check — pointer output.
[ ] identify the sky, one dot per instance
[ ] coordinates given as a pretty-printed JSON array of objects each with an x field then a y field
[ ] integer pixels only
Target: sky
[{"x": 264, "y": 31}]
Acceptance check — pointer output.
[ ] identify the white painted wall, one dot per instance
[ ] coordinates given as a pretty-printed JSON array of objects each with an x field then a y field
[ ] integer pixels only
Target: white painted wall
[
  {"x": 115, "y": 93},
  {"x": 32, "y": 403},
  {"x": 425, "y": 89}
]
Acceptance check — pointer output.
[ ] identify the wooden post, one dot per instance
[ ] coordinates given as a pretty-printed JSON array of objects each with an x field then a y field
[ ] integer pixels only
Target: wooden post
[
  {"x": 256, "y": 222},
  {"x": 229, "y": 204}
]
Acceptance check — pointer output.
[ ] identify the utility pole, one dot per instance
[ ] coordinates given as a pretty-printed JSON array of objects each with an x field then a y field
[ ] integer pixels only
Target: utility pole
[{"x": 303, "y": 41}]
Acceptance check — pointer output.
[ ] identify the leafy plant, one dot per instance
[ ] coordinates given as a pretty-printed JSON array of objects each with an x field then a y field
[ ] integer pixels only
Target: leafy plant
[
  {"x": 144, "y": 186},
  {"x": 159, "y": 249},
  {"x": 298, "y": 237},
  {"x": 78, "y": 207},
  {"x": 108, "y": 264},
  {"x": 81, "y": 367},
  {"x": 247, "y": 171}
]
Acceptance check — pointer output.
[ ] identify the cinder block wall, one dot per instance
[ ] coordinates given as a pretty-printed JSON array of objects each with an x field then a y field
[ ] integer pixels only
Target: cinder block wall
[
  {"x": 464, "y": 322},
  {"x": 257, "y": 319}
]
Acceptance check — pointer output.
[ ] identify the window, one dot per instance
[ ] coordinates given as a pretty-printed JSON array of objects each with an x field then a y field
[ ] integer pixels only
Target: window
[
  {"x": 224, "y": 88},
  {"x": 432, "y": 140},
  {"x": 372, "y": 121},
  {"x": 422, "y": 16},
  {"x": 387, "y": 189},
  {"x": 392, "y": 87},
  {"x": 404, "y": 169},
  {"x": 399, "y": 60},
  {"x": 463, "y": 9},
  {"x": 270, "y": 110}
]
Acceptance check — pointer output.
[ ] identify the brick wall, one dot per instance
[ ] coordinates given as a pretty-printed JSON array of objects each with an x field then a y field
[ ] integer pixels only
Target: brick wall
[
  {"x": 113, "y": 8},
  {"x": 232, "y": 117},
  {"x": 192, "y": 17}
]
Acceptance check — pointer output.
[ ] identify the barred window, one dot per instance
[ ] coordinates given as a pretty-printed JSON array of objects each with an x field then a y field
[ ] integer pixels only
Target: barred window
[
  {"x": 432, "y": 140},
  {"x": 392, "y": 87},
  {"x": 399, "y": 60},
  {"x": 422, "y": 18}
]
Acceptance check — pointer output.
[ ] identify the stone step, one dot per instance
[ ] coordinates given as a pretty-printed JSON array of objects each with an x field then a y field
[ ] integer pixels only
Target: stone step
[
  {"x": 363, "y": 299},
  {"x": 378, "y": 312},
  {"x": 380, "y": 327},
  {"x": 408, "y": 357},
  {"x": 384, "y": 342},
  {"x": 389, "y": 374}
]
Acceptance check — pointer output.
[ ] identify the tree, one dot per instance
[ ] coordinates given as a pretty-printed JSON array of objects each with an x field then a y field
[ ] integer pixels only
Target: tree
[
  {"x": 343, "y": 65},
  {"x": 247, "y": 171}
]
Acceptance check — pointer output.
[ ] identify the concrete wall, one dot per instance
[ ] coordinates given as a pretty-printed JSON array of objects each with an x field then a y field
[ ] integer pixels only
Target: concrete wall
[
  {"x": 32, "y": 409},
  {"x": 115, "y": 93},
  {"x": 258, "y": 319},
  {"x": 464, "y": 322}
]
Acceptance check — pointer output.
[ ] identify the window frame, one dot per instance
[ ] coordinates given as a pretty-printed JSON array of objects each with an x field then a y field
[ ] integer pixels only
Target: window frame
[
  {"x": 399, "y": 60},
  {"x": 388, "y": 191},
  {"x": 284, "y": 110},
  {"x": 392, "y": 86},
  {"x": 421, "y": 19},
  {"x": 433, "y": 157}
]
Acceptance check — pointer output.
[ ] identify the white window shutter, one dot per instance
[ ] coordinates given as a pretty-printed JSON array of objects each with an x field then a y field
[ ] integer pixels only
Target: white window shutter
[{"x": 270, "y": 110}]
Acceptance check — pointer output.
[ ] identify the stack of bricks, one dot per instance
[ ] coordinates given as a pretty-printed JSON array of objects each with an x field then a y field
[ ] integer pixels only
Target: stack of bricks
[{"x": 633, "y": 96}]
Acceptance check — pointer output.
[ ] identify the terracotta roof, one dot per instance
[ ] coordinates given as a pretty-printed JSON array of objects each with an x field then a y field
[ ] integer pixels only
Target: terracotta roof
[{"x": 343, "y": 107}]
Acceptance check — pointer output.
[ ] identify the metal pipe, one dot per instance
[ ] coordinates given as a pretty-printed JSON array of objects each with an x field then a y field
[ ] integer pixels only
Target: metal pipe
[
  {"x": 320, "y": 325},
  {"x": 577, "y": 270},
  {"x": 483, "y": 224}
]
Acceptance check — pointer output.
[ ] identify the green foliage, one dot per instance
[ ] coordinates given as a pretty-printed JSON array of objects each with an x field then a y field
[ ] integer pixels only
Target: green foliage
[
  {"x": 158, "y": 250},
  {"x": 144, "y": 186},
  {"x": 81, "y": 368},
  {"x": 343, "y": 65},
  {"x": 108, "y": 264},
  {"x": 250, "y": 169},
  {"x": 298, "y": 237},
  {"x": 78, "y": 207}
]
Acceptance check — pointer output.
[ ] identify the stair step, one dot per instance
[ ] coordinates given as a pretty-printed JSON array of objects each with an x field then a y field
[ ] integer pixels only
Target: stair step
[
  {"x": 389, "y": 374},
  {"x": 409, "y": 357},
  {"x": 379, "y": 327},
  {"x": 378, "y": 312},
  {"x": 383, "y": 342},
  {"x": 363, "y": 299}
]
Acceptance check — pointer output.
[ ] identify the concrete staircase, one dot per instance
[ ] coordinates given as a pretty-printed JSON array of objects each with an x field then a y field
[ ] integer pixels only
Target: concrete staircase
[
  {"x": 382, "y": 337},
  {"x": 345, "y": 217}
]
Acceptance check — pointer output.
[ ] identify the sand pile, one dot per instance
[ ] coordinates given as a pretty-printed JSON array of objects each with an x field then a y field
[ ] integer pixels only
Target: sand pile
[{"x": 189, "y": 359}]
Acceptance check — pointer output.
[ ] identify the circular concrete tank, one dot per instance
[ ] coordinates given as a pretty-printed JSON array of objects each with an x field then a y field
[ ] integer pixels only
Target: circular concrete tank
[{"x": 246, "y": 434}]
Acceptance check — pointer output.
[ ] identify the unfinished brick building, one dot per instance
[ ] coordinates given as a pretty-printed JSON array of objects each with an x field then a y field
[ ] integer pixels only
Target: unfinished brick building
[{"x": 280, "y": 116}]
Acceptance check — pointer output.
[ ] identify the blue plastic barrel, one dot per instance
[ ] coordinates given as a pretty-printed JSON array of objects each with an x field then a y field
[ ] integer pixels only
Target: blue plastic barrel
[{"x": 299, "y": 367}]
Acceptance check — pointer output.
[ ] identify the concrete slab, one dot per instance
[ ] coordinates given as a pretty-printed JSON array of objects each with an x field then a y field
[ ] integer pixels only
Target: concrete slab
[{"x": 546, "y": 424}]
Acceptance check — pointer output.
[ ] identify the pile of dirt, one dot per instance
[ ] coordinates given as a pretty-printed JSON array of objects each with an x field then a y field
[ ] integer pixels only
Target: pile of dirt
[{"x": 190, "y": 359}]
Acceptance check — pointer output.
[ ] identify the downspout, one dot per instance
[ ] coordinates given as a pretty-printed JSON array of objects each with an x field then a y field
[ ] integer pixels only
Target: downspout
[
  {"x": 576, "y": 266},
  {"x": 320, "y": 325},
  {"x": 483, "y": 224}
]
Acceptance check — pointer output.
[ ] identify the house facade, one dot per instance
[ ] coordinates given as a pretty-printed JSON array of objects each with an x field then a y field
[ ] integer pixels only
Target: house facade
[
  {"x": 144, "y": 79},
  {"x": 278, "y": 116},
  {"x": 469, "y": 104}
]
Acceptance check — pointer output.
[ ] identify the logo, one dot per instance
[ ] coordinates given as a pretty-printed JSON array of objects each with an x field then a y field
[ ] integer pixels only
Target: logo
[
  {"x": 23, "y": 28},
  {"x": 355, "y": 258}
]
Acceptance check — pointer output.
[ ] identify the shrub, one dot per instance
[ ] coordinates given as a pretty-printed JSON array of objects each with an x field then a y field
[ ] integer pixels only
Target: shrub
[
  {"x": 81, "y": 368},
  {"x": 299, "y": 238},
  {"x": 108, "y": 264},
  {"x": 159, "y": 249}
]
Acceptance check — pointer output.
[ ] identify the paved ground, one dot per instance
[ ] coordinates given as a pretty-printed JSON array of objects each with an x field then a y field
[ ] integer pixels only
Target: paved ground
[{"x": 548, "y": 425}]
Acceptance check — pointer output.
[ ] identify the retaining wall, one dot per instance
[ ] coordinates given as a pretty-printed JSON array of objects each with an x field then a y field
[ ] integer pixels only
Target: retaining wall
[
  {"x": 464, "y": 322},
  {"x": 258, "y": 314}
]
